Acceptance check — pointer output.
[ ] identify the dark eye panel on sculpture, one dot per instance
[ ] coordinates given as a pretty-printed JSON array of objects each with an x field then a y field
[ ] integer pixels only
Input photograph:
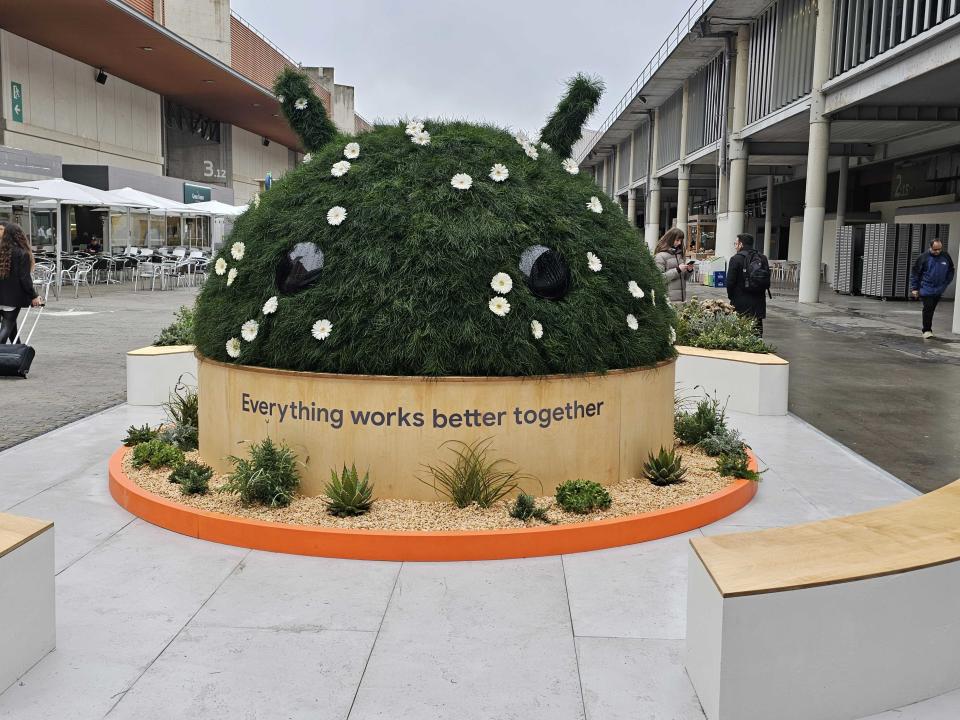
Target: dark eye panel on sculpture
[
  {"x": 299, "y": 267},
  {"x": 546, "y": 272}
]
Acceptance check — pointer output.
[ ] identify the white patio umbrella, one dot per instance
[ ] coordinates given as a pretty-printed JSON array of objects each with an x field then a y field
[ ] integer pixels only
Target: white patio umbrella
[
  {"x": 163, "y": 206},
  {"x": 215, "y": 207}
]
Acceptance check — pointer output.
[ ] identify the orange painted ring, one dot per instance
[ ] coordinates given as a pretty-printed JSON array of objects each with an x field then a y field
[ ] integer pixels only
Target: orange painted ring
[{"x": 419, "y": 545}]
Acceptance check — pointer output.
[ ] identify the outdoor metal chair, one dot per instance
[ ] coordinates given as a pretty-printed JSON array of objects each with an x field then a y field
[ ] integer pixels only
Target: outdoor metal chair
[
  {"x": 148, "y": 271},
  {"x": 78, "y": 274}
]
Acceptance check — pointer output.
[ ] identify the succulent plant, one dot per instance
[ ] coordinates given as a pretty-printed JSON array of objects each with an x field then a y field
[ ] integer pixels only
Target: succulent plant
[
  {"x": 666, "y": 468},
  {"x": 347, "y": 495}
]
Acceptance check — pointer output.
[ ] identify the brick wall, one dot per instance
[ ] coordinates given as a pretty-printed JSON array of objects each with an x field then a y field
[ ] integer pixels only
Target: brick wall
[
  {"x": 144, "y": 6},
  {"x": 254, "y": 58}
]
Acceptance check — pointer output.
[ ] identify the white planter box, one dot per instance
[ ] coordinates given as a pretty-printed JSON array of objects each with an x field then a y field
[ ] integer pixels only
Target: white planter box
[
  {"x": 27, "y": 605},
  {"x": 754, "y": 383},
  {"x": 153, "y": 372}
]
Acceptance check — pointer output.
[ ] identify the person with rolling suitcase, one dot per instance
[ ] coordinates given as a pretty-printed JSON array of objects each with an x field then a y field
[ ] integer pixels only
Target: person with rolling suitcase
[{"x": 16, "y": 291}]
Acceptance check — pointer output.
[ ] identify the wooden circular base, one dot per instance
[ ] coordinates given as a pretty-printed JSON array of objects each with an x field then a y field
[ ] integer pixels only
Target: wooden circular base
[{"x": 424, "y": 546}]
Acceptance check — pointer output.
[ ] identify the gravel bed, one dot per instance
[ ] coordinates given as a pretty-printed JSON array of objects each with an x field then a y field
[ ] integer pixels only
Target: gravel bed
[{"x": 630, "y": 497}]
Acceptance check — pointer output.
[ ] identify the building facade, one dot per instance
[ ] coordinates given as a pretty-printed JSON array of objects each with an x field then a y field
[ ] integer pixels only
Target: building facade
[
  {"x": 790, "y": 119},
  {"x": 149, "y": 89}
]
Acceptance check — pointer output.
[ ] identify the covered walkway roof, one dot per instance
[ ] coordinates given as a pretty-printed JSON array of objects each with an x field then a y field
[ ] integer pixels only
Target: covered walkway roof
[{"x": 109, "y": 34}]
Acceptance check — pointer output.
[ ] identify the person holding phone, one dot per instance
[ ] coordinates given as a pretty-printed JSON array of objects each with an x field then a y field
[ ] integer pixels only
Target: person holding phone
[{"x": 668, "y": 256}]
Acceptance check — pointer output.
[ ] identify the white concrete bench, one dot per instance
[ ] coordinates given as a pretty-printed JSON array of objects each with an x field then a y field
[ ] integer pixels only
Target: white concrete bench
[
  {"x": 755, "y": 383},
  {"x": 837, "y": 619},
  {"x": 27, "y": 609},
  {"x": 153, "y": 372}
]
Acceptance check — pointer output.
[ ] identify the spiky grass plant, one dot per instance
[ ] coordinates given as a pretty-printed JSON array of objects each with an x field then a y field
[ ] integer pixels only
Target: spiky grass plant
[
  {"x": 664, "y": 468},
  {"x": 346, "y": 494},
  {"x": 193, "y": 477},
  {"x": 708, "y": 418},
  {"x": 405, "y": 279},
  {"x": 137, "y": 435},
  {"x": 737, "y": 464},
  {"x": 565, "y": 125},
  {"x": 472, "y": 477},
  {"x": 270, "y": 476},
  {"x": 582, "y": 496}
]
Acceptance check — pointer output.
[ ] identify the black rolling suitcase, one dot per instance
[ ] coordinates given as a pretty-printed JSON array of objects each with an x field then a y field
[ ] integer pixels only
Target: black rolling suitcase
[{"x": 16, "y": 359}]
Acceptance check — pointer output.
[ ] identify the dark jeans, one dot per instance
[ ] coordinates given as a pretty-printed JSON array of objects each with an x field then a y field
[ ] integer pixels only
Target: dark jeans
[
  {"x": 929, "y": 305},
  {"x": 8, "y": 325}
]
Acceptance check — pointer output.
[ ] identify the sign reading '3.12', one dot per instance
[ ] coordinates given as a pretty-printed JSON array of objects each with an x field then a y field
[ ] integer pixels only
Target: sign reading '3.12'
[{"x": 16, "y": 99}]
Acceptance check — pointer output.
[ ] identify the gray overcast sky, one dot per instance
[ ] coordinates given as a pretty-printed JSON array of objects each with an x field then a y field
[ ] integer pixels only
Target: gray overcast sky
[{"x": 486, "y": 60}]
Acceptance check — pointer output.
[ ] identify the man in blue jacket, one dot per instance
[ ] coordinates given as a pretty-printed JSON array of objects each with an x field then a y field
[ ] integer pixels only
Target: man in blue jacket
[{"x": 931, "y": 274}]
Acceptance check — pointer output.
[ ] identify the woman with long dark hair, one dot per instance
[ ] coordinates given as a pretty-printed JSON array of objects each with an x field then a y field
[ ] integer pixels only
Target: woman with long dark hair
[
  {"x": 668, "y": 256},
  {"x": 16, "y": 283}
]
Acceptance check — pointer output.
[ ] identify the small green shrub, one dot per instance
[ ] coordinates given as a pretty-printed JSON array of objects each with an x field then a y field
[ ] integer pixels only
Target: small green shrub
[
  {"x": 269, "y": 476},
  {"x": 736, "y": 464},
  {"x": 708, "y": 418},
  {"x": 715, "y": 325},
  {"x": 725, "y": 440},
  {"x": 142, "y": 434},
  {"x": 525, "y": 508},
  {"x": 185, "y": 437},
  {"x": 582, "y": 496},
  {"x": 346, "y": 494},
  {"x": 157, "y": 454},
  {"x": 180, "y": 331},
  {"x": 183, "y": 412},
  {"x": 472, "y": 477},
  {"x": 666, "y": 468},
  {"x": 193, "y": 477}
]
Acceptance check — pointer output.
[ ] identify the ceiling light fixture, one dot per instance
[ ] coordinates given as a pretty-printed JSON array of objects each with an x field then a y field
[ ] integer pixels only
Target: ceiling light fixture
[{"x": 146, "y": 48}]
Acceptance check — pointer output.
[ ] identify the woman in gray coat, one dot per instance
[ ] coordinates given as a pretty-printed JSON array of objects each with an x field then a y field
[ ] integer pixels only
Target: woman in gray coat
[{"x": 669, "y": 258}]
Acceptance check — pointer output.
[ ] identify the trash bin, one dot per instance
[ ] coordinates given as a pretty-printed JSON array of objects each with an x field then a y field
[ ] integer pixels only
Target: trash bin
[{"x": 720, "y": 278}]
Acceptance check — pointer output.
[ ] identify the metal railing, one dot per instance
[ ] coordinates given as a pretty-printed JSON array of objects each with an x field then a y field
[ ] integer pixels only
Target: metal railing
[
  {"x": 863, "y": 29},
  {"x": 686, "y": 24}
]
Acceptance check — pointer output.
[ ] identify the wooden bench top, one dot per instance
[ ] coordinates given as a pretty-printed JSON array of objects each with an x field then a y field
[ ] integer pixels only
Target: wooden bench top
[
  {"x": 736, "y": 355},
  {"x": 16, "y": 530},
  {"x": 906, "y": 536},
  {"x": 152, "y": 350}
]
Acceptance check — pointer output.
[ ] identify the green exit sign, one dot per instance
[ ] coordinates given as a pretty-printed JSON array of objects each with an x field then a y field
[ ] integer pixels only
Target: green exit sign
[{"x": 16, "y": 99}]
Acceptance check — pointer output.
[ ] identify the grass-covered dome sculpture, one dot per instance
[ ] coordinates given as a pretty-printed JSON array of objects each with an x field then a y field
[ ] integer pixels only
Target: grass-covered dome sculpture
[{"x": 435, "y": 248}]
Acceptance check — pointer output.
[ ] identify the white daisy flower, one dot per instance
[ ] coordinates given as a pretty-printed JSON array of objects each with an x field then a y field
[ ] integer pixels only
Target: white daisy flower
[
  {"x": 308, "y": 157},
  {"x": 321, "y": 329},
  {"x": 233, "y": 348},
  {"x": 635, "y": 289},
  {"x": 499, "y": 306},
  {"x": 281, "y": 98},
  {"x": 414, "y": 127},
  {"x": 593, "y": 262},
  {"x": 270, "y": 306},
  {"x": 220, "y": 267},
  {"x": 421, "y": 137},
  {"x": 570, "y": 166},
  {"x": 300, "y": 104},
  {"x": 352, "y": 151},
  {"x": 537, "y": 329},
  {"x": 546, "y": 147},
  {"x": 336, "y": 215},
  {"x": 521, "y": 138},
  {"x": 499, "y": 172},
  {"x": 531, "y": 151},
  {"x": 673, "y": 335},
  {"x": 340, "y": 169},
  {"x": 461, "y": 181},
  {"x": 231, "y": 276},
  {"x": 632, "y": 322},
  {"x": 502, "y": 283},
  {"x": 256, "y": 201},
  {"x": 237, "y": 250},
  {"x": 594, "y": 205},
  {"x": 249, "y": 330}
]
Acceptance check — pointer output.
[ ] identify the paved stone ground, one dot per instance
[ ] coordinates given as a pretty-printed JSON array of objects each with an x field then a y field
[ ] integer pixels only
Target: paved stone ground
[
  {"x": 80, "y": 366},
  {"x": 861, "y": 373}
]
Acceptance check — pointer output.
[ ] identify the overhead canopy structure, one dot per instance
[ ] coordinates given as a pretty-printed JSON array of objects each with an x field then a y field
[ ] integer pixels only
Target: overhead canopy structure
[
  {"x": 155, "y": 203},
  {"x": 215, "y": 207}
]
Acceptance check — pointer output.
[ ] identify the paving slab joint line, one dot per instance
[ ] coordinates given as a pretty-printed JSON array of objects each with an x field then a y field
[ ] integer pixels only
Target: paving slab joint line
[
  {"x": 63, "y": 427},
  {"x": 573, "y": 636},
  {"x": 123, "y": 693},
  {"x": 373, "y": 645},
  {"x": 107, "y": 539}
]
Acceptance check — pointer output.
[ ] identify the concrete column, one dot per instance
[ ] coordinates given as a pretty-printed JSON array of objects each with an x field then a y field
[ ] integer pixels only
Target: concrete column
[
  {"x": 738, "y": 148},
  {"x": 683, "y": 197},
  {"x": 632, "y": 206},
  {"x": 652, "y": 214},
  {"x": 768, "y": 219},
  {"x": 818, "y": 154},
  {"x": 842, "y": 192}
]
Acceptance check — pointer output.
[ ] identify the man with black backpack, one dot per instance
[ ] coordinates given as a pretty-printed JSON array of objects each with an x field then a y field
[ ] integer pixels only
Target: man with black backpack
[{"x": 748, "y": 281}]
